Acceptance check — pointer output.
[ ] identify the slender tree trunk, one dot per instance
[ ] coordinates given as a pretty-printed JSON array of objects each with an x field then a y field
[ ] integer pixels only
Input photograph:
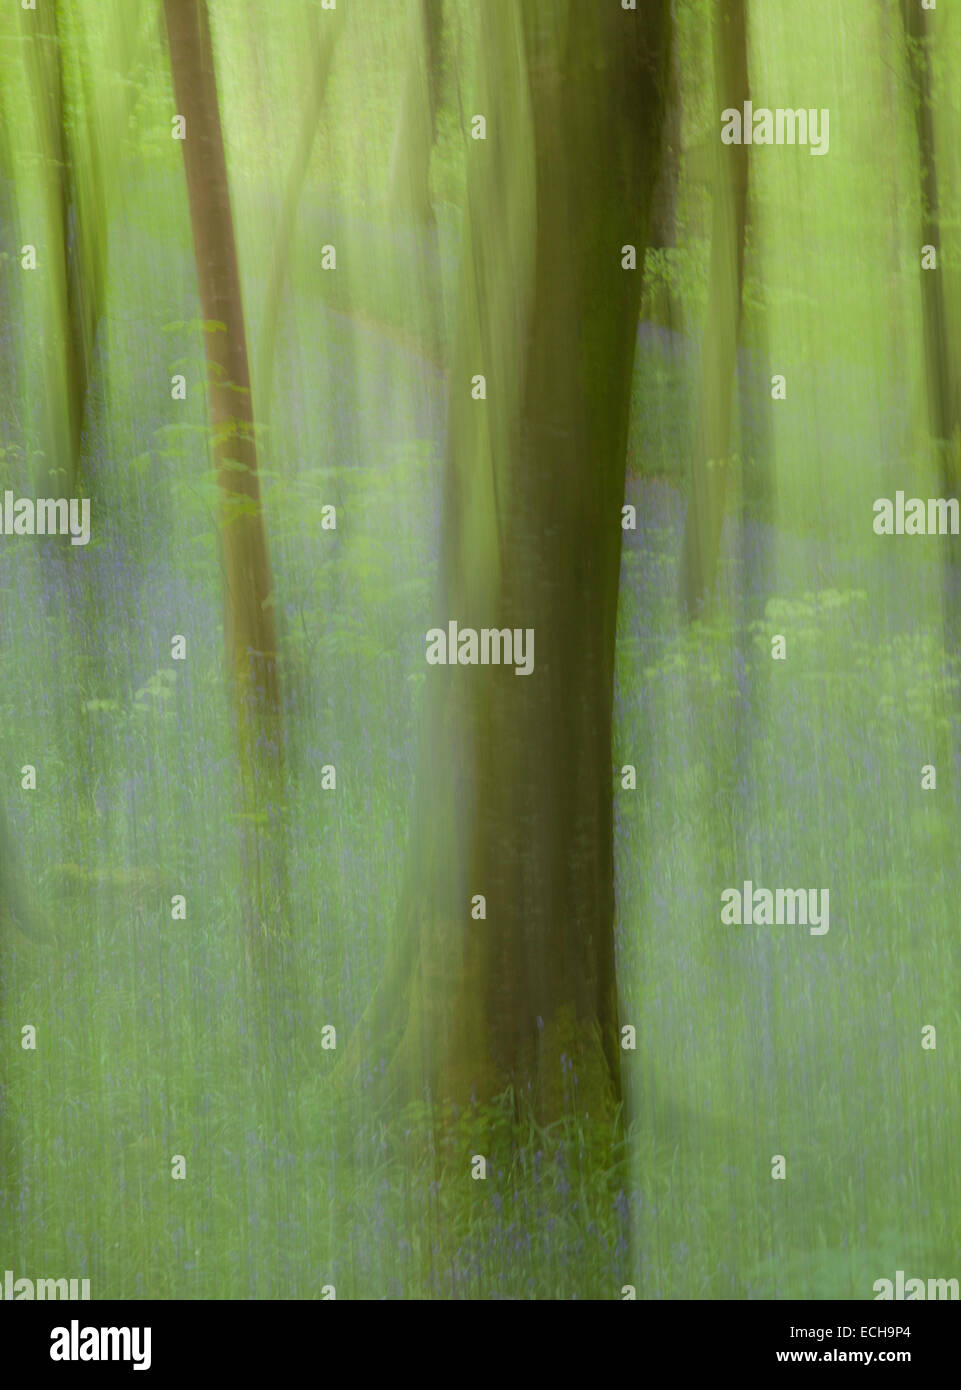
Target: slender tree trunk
[
  {"x": 417, "y": 123},
  {"x": 84, "y": 264},
  {"x": 249, "y": 616},
  {"x": 515, "y": 788},
  {"x": 711, "y": 462},
  {"x": 11, "y": 300}
]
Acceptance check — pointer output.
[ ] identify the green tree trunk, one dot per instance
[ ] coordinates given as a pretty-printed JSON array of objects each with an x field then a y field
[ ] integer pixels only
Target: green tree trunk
[
  {"x": 325, "y": 31},
  {"x": 416, "y": 126},
  {"x": 944, "y": 399},
  {"x": 11, "y": 299},
  {"x": 662, "y": 305},
  {"x": 711, "y": 462},
  {"x": 82, "y": 118},
  {"x": 70, "y": 311}
]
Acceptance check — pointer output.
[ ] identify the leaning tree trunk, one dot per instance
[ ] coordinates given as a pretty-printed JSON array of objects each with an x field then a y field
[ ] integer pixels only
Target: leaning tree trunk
[
  {"x": 515, "y": 795},
  {"x": 249, "y": 617},
  {"x": 711, "y": 462}
]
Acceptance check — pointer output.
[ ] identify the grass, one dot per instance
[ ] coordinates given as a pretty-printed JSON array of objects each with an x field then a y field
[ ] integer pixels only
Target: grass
[{"x": 751, "y": 1042}]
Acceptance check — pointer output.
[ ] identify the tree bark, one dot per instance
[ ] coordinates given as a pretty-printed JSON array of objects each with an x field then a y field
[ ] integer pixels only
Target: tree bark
[
  {"x": 515, "y": 784},
  {"x": 711, "y": 463},
  {"x": 249, "y": 617}
]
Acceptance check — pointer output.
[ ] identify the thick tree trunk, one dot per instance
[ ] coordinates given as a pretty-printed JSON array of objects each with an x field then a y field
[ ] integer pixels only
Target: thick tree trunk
[
  {"x": 249, "y": 617},
  {"x": 515, "y": 781},
  {"x": 711, "y": 463}
]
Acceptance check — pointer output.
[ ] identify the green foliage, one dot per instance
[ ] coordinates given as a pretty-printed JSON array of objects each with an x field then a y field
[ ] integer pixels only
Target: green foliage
[{"x": 747, "y": 1046}]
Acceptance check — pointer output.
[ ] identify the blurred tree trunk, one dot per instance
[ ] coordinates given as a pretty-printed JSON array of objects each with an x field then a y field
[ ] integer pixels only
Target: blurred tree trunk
[
  {"x": 944, "y": 404},
  {"x": 249, "y": 615},
  {"x": 711, "y": 462},
  {"x": 418, "y": 257},
  {"x": 325, "y": 30},
  {"x": 76, "y": 270},
  {"x": 417, "y": 123},
  {"x": 515, "y": 788},
  {"x": 80, "y": 141},
  {"x": 11, "y": 300},
  {"x": 662, "y": 305}
]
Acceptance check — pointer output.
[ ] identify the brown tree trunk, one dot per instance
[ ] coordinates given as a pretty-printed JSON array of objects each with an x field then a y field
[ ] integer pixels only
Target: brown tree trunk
[
  {"x": 249, "y": 618},
  {"x": 711, "y": 463},
  {"x": 515, "y": 787}
]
